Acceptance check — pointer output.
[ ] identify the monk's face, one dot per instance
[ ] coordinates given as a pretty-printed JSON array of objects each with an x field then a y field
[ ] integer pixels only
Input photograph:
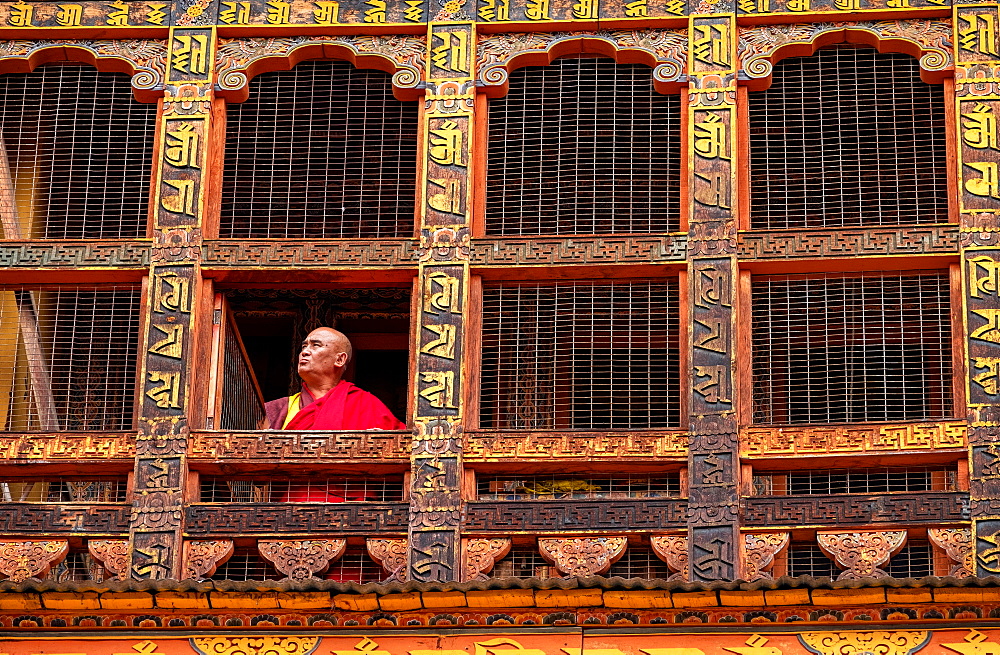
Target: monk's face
[{"x": 323, "y": 353}]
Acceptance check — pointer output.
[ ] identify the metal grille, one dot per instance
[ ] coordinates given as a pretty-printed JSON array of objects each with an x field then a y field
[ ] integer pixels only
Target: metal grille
[
  {"x": 79, "y": 566},
  {"x": 301, "y": 490},
  {"x": 560, "y": 487},
  {"x": 355, "y": 566},
  {"x": 808, "y": 559},
  {"x": 833, "y": 349},
  {"x": 63, "y": 490},
  {"x": 848, "y": 136},
  {"x": 583, "y": 146},
  {"x": 856, "y": 481},
  {"x": 523, "y": 562},
  {"x": 639, "y": 561},
  {"x": 320, "y": 151},
  {"x": 246, "y": 564},
  {"x": 79, "y": 151},
  {"x": 915, "y": 560},
  {"x": 580, "y": 355},
  {"x": 242, "y": 404},
  {"x": 67, "y": 358}
]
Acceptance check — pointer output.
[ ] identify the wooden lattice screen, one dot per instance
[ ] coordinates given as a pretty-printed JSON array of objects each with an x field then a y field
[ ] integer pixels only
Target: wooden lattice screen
[
  {"x": 78, "y": 155},
  {"x": 834, "y": 348},
  {"x": 321, "y": 151},
  {"x": 583, "y": 146},
  {"x": 848, "y": 136},
  {"x": 580, "y": 355}
]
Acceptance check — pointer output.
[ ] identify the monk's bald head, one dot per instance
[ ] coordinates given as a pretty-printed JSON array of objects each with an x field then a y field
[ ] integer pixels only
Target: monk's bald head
[{"x": 324, "y": 356}]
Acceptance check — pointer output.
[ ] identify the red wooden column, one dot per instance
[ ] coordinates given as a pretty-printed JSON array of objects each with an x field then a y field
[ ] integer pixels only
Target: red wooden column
[
  {"x": 713, "y": 462},
  {"x": 172, "y": 306}
]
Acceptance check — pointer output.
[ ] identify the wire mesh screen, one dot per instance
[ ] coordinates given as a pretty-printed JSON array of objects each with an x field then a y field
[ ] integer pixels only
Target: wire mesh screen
[
  {"x": 246, "y": 564},
  {"x": 856, "y": 481},
  {"x": 242, "y": 404},
  {"x": 639, "y": 561},
  {"x": 320, "y": 151},
  {"x": 355, "y": 565},
  {"x": 830, "y": 349},
  {"x": 583, "y": 146},
  {"x": 915, "y": 560},
  {"x": 301, "y": 490},
  {"x": 63, "y": 490},
  {"x": 808, "y": 559},
  {"x": 79, "y": 152},
  {"x": 848, "y": 136},
  {"x": 68, "y": 358},
  {"x": 580, "y": 355},
  {"x": 524, "y": 562},
  {"x": 560, "y": 487},
  {"x": 78, "y": 566}
]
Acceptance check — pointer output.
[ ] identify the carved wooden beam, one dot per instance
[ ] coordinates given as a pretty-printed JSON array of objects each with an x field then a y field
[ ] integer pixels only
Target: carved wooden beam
[
  {"x": 957, "y": 545},
  {"x": 481, "y": 554},
  {"x": 672, "y": 549},
  {"x": 113, "y": 554},
  {"x": 301, "y": 559},
  {"x": 582, "y": 556},
  {"x": 759, "y": 550},
  {"x": 392, "y": 554},
  {"x": 202, "y": 558},
  {"x": 21, "y": 560},
  {"x": 861, "y": 553}
]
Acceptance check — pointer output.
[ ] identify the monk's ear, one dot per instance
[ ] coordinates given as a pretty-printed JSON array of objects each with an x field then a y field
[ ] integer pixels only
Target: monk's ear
[{"x": 341, "y": 360}]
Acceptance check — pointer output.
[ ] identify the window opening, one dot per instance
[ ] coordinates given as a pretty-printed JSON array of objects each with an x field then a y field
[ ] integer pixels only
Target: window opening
[
  {"x": 855, "y": 481},
  {"x": 639, "y": 561},
  {"x": 563, "y": 487},
  {"x": 523, "y": 562},
  {"x": 315, "y": 489}
]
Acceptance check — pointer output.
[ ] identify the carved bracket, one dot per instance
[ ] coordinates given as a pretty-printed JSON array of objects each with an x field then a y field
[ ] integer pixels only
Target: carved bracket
[
  {"x": 499, "y": 54},
  {"x": 21, "y": 560},
  {"x": 301, "y": 559},
  {"x": 113, "y": 554},
  {"x": 481, "y": 554},
  {"x": 759, "y": 550},
  {"x": 957, "y": 545},
  {"x": 861, "y": 553},
  {"x": 202, "y": 558},
  {"x": 392, "y": 555},
  {"x": 582, "y": 556},
  {"x": 242, "y": 58},
  {"x": 673, "y": 550}
]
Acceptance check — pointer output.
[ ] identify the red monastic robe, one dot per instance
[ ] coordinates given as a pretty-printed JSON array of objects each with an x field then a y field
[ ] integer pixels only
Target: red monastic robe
[{"x": 345, "y": 407}]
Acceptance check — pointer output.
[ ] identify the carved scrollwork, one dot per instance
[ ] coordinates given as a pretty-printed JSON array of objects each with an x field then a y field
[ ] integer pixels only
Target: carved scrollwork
[
  {"x": 255, "y": 645},
  {"x": 482, "y": 554},
  {"x": 582, "y": 556},
  {"x": 759, "y": 45},
  {"x": 301, "y": 559},
  {"x": 113, "y": 554},
  {"x": 146, "y": 59},
  {"x": 241, "y": 58},
  {"x": 957, "y": 545},
  {"x": 202, "y": 558},
  {"x": 665, "y": 49},
  {"x": 673, "y": 550},
  {"x": 392, "y": 555},
  {"x": 759, "y": 550},
  {"x": 861, "y": 553},
  {"x": 21, "y": 560},
  {"x": 884, "y": 642}
]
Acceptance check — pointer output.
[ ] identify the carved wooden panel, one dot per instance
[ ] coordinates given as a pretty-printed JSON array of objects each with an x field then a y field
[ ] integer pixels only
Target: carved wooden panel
[
  {"x": 796, "y": 440},
  {"x": 67, "y": 446},
  {"x": 896, "y": 642},
  {"x": 849, "y": 242},
  {"x": 38, "y": 519},
  {"x": 279, "y": 254},
  {"x": 113, "y": 554},
  {"x": 73, "y": 255},
  {"x": 555, "y": 515},
  {"x": 759, "y": 549},
  {"x": 957, "y": 545},
  {"x": 582, "y": 556},
  {"x": 393, "y": 555},
  {"x": 274, "y": 518},
  {"x": 299, "y": 446},
  {"x": 909, "y": 509},
  {"x": 301, "y": 559},
  {"x": 861, "y": 554},
  {"x": 672, "y": 549},
  {"x": 284, "y": 644},
  {"x": 202, "y": 558},
  {"x": 479, "y": 556},
  {"x": 505, "y": 447},
  {"x": 578, "y": 250},
  {"x": 21, "y": 560}
]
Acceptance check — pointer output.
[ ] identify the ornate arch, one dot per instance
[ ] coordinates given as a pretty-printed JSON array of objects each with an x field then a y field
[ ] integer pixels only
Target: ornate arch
[
  {"x": 241, "y": 59},
  {"x": 762, "y": 46},
  {"x": 144, "y": 59},
  {"x": 664, "y": 50}
]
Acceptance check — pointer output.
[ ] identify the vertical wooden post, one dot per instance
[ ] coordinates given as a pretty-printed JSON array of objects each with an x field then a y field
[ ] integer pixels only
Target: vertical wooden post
[
  {"x": 155, "y": 531},
  {"x": 713, "y": 460},
  {"x": 977, "y": 103},
  {"x": 444, "y": 209}
]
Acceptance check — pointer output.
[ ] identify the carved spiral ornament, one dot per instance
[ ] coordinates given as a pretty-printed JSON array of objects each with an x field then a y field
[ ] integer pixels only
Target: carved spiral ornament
[
  {"x": 21, "y": 560},
  {"x": 583, "y": 556},
  {"x": 255, "y": 645},
  {"x": 673, "y": 550},
  {"x": 861, "y": 554},
  {"x": 301, "y": 559}
]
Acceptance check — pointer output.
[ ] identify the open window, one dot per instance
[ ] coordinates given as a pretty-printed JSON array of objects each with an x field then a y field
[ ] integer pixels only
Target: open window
[{"x": 259, "y": 333}]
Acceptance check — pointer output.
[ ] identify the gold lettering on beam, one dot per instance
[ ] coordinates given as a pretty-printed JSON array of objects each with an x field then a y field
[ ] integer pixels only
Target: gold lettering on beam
[
  {"x": 190, "y": 54},
  {"x": 453, "y": 53},
  {"x": 444, "y": 345},
  {"x": 156, "y": 474},
  {"x": 167, "y": 393},
  {"x": 442, "y": 293},
  {"x": 21, "y": 14},
  {"x": 181, "y": 148},
  {"x": 278, "y": 12},
  {"x": 984, "y": 277},
  {"x": 979, "y": 33},
  {"x": 979, "y": 127},
  {"x": 172, "y": 293},
  {"x": 327, "y": 12},
  {"x": 710, "y": 138},
  {"x": 235, "y": 12},
  {"x": 716, "y": 193},
  {"x": 184, "y": 201},
  {"x": 990, "y": 377},
  {"x": 450, "y": 201},
  {"x": 714, "y": 389},
  {"x": 990, "y": 331},
  {"x": 441, "y": 392},
  {"x": 636, "y": 9},
  {"x": 716, "y": 340},
  {"x": 119, "y": 17},
  {"x": 69, "y": 15},
  {"x": 446, "y": 145},
  {"x": 172, "y": 345},
  {"x": 377, "y": 12},
  {"x": 710, "y": 44},
  {"x": 710, "y": 287},
  {"x": 536, "y": 10},
  {"x": 156, "y": 15},
  {"x": 585, "y": 9}
]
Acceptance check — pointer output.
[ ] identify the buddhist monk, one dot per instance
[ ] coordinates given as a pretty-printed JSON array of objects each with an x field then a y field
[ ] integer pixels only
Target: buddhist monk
[{"x": 327, "y": 401}]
